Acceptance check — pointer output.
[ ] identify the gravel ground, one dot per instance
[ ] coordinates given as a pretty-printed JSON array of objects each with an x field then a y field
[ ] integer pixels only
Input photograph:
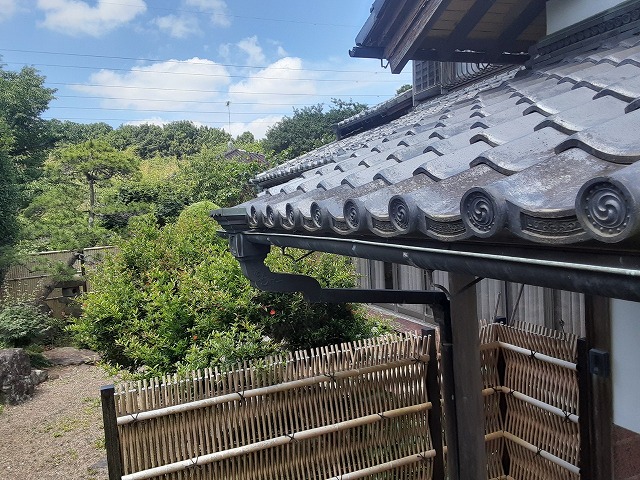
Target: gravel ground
[{"x": 58, "y": 434}]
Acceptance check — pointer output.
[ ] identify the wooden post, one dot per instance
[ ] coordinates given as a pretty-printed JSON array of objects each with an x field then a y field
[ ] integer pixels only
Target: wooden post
[
  {"x": 599, "y": 389},
  {"x": 442, "y": 315},
  {"x": 469, "y": 402},
  {"x": 435, "y": 415},
  {"x": 584, "y": 409},
  {"x": 112, "y": 441}
]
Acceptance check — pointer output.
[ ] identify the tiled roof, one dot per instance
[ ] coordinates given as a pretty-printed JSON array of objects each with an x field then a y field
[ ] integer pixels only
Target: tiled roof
[{"x": 547, "y": 155}]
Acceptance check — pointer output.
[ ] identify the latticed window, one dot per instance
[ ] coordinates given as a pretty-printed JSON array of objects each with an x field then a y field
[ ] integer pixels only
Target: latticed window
[{"x": 426, "y": 74}]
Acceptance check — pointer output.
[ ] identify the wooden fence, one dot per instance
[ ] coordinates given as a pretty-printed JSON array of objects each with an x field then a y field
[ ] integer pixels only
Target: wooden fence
[
  {"x": 27, "y": 278},
  {"x": 370, "y": 409},
  {"x": 531, "y": 402},
  {"x": 348, "y": 411}
]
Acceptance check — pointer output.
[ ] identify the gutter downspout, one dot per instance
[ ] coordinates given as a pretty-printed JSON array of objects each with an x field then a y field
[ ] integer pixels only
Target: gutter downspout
[{"x": 251, "y": 257}]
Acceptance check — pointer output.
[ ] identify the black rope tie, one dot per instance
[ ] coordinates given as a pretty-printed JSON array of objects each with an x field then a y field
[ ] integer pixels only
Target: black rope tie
[
  {"x": 382, "y": 417},
  {"x": 539, "y": 452},
  {"x": 134, "y": 417},
  {"x": 423, "y": 458},
  {"x": 416, "y": 360},
  {"x": 331, "y": 376},
  {"x": 194, "y": 463},
  {"x": 567, "y": 416},
  {"x": 241, "y": 395},
  {"x": 495, "y": 389},
  {"x": 292, "y": 436},
  {"x": 532, "y": 355}
]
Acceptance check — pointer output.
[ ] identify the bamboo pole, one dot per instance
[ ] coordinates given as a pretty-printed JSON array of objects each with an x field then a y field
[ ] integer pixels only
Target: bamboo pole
[
  {"x": 532, "y": 401},
  {"x": 275, "y": 442},
  {"x": 256, "y": 392},
  {"x": 530, "y": 353},
  {"x": 385, "y": 467},
  {"x": 543, "y": 453}
]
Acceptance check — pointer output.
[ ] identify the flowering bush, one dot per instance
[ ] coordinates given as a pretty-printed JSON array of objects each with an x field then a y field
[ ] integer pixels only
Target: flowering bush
[{"x": 174, "y": 298}]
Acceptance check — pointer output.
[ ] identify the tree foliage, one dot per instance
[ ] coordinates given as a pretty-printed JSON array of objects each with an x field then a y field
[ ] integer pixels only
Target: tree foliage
[
  {"x": 308, "y": 128},
  {"x": 23, "y": 99},
  {"x": 95, "y": 161},
  {"x": 404, "y": 88},
  {"x": 24, "y": 141},
  {"x": 174, "y": 297},
  {"x": 225, "y": 182},
  {"x": 179, "y": 139}
]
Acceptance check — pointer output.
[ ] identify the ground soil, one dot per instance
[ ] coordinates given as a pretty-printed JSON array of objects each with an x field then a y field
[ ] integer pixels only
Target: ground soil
[{"x": 58, "y": 434}]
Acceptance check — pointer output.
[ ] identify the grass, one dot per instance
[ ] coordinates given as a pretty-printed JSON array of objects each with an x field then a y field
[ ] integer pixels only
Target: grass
[{"x": 65, "y": 425}]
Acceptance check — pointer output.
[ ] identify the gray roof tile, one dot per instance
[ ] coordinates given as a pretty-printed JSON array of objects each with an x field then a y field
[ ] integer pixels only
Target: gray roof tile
[
  {"x": 616, "y": 140},
  {"x": 543, "y": 156},
  {"x": 585, "y": 115}
]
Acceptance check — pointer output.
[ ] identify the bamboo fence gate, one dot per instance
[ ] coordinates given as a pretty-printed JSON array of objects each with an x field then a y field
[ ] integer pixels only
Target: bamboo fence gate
[{"x": 369, "y": 409}]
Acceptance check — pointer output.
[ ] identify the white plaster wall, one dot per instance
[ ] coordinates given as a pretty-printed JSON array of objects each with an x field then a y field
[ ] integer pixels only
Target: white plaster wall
[
  {"x": 563, "y": 13},
  {"x": 625, "y": 363}
]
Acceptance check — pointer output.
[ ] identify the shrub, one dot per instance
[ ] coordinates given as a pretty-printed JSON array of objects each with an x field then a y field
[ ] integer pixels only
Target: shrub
[
  {"x": 174, "y": 297},
  {"x": 22, "y": 323}
]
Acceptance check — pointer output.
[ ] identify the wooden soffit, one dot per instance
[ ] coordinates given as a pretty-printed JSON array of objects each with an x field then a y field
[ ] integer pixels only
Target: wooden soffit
[{"x": 483, "y": 31}]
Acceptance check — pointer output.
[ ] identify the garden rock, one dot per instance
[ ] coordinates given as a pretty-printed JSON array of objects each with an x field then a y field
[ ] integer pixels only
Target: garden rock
[
  {"x": 66, "y": 356},
  {"x": 16, "y": 383},
  {"x": 39, "y": 376}
]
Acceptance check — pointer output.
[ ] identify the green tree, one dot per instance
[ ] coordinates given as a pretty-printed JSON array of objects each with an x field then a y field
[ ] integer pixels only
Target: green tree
[
  {"x": 23, "y": 99},
  {"x": 174, "y": 298},
  {"x": 24, "y": 140},
  {"x": 403, "y": 88},
  {"x": 225, "y": 182},
  {"x": 308, "y": 128},
  {"x": 66, "y": 132},
  {"x": 95, "y": 161},
  {"x": 8, "y": 199}
]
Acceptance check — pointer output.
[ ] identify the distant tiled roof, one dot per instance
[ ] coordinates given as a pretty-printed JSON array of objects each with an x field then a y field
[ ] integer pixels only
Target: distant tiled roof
[
  {"x": 244, "y": 156},
  {"x": 548, "y": 155}
]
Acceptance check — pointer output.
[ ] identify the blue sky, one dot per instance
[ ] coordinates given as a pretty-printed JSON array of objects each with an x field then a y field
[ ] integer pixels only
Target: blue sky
[{"x": 136, "y": 61}]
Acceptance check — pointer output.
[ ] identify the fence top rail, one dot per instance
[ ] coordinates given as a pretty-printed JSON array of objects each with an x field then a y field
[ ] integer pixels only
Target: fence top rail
[
  {"x": 241, "y": 396},
  {"x": 302, "y": 364}
]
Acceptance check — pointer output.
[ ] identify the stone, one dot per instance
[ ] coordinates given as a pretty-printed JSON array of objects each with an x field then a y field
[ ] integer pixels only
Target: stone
[
  {"x": 16, "y": 383},
  {"x": 66, "y": 356},
  {"x": 39, "y": 376}
]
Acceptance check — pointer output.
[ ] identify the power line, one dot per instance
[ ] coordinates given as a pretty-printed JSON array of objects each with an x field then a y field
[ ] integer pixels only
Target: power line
[
  {"x": 159, "y": 60},
  {"x": 196, "y": 74},
  {"x": 208, "y": 102},
  {"x": 132, "y": 87},
  {"x": 129, "y": 120},
  {"x": 161, "y": 110}
]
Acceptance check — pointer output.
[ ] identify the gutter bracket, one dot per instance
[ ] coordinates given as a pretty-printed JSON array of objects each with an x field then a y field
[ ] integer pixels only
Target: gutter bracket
[{"x": 251, "y": 257}]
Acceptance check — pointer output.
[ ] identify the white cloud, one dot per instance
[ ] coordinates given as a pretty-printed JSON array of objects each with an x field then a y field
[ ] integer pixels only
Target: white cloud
[
  {"x": 170, "y": 85},
  {"x": 258, "y": 127},
  {"x": 216, "y": 8},
  {"x": 282, "y": 52},
  {"x": 149, "y": 121},
  {"x": 7, "y": 9},
  {"x": 250, "y": 46},
  {"x": 281, "y": 82},
  {"x": 75, "y": 17},
  {"x": 224, "y": 50},
  {"x": 178, "y": 26}
]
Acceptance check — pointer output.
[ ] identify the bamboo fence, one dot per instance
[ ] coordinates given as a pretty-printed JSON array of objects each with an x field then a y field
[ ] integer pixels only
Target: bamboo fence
[
  {"x": 531, "y": 401},
  {"x": 359, "y": 410},
  {"x": 356, "y": 410}
]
